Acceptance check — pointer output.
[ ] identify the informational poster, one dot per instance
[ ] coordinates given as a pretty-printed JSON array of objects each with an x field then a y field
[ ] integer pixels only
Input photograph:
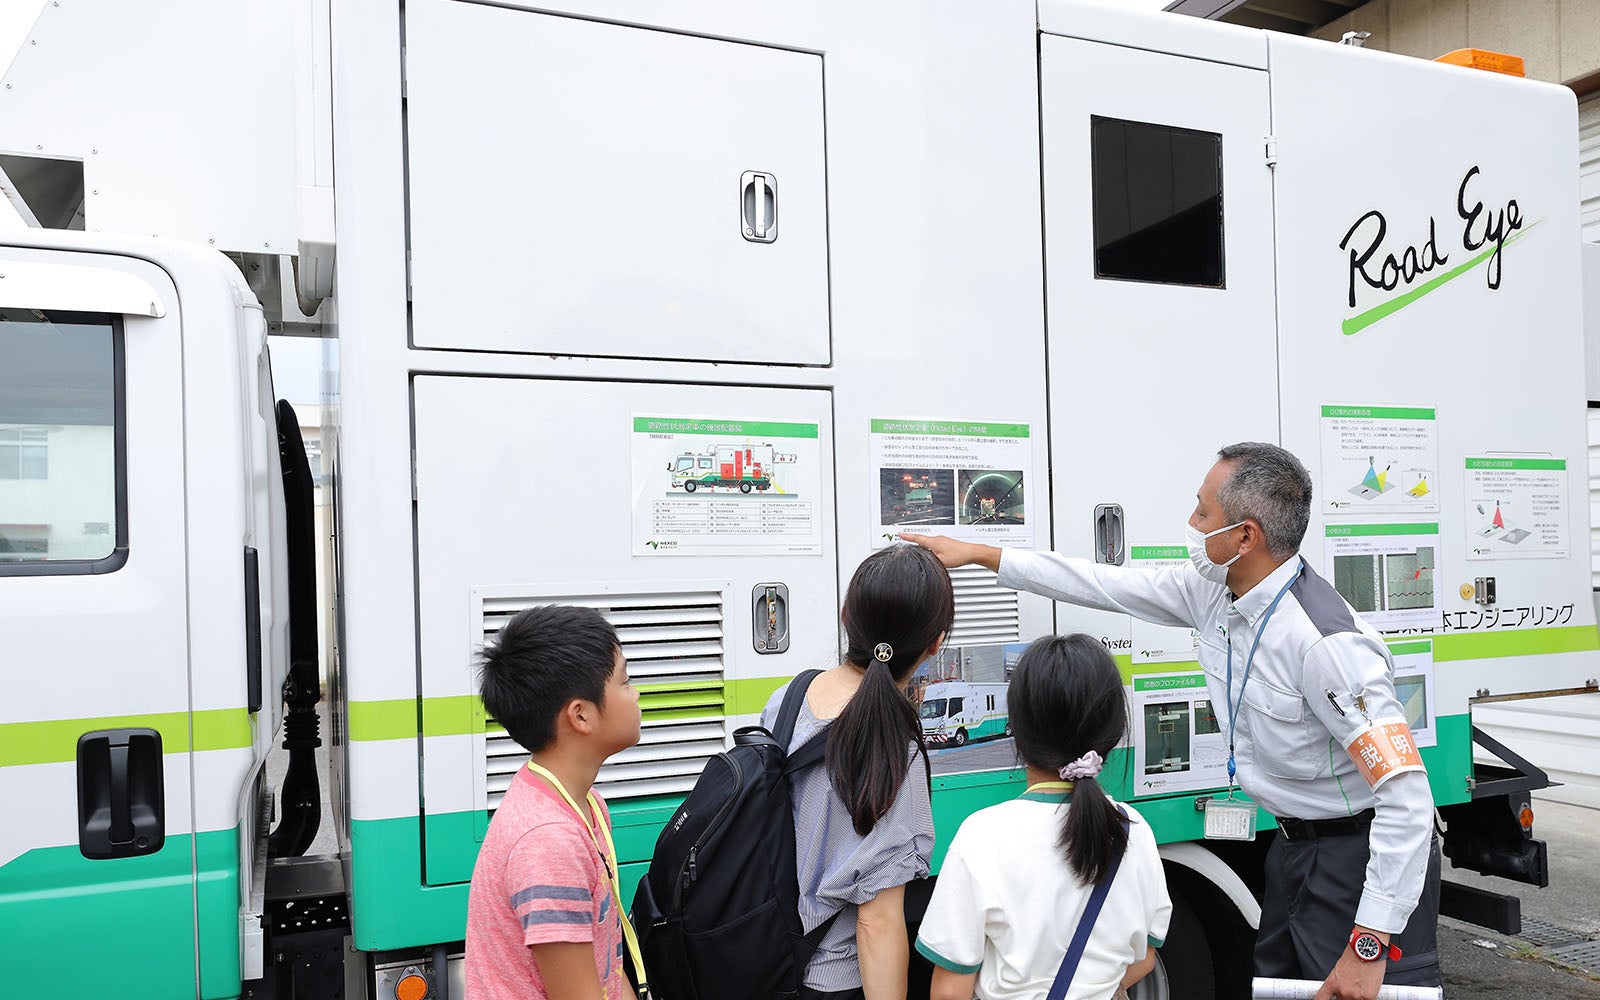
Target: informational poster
[
  {"x": 1379, "y": 460},
  {"x": 1386, "y": 571},
  {"x": 963, "y": 478},
  {"x": 716, "y": 486},
  {"x": 1516, "y": 508},
  {"x": 1161, "y": 643},
  {"x": 1413, "y": 682},
  {"x": 960, "y": 694},
  {"x": 1178, "y": 743}
]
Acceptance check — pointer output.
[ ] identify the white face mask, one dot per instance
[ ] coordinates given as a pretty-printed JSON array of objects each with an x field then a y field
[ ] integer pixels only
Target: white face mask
[{"x": 1213, "y": 571}]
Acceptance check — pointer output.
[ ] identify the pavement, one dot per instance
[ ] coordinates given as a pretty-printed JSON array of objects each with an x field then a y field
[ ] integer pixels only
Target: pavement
[{"x": 1558, "y": 921}]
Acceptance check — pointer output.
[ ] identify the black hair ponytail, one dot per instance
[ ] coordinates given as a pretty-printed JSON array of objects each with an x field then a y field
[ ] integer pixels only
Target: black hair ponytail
[
  {"x": 898, "y": 604},
  {"x": 1065, "y": 700}
]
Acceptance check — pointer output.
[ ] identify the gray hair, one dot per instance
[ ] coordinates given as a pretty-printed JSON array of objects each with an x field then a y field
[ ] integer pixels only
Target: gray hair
[{"x": 1268, "y": 485}]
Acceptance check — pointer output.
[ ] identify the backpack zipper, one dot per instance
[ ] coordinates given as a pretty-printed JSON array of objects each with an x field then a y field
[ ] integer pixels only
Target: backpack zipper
[{"x": 688, "y": 875}]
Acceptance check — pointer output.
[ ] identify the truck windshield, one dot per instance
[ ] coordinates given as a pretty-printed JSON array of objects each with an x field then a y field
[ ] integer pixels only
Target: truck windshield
[
  {"x": 933, "y": 708},
  {"x": 685, "y": 463}
]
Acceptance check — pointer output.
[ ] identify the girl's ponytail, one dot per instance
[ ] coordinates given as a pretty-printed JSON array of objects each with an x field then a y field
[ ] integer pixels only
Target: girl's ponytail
[
  {"x": 1092, "y": 833},
  {"x": 897, "y": 607},
  {"x": 1066, "y": 703}
]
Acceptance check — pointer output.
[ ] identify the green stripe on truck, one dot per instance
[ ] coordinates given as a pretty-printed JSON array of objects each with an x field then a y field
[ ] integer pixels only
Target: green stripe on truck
[{"x": 56, "y": 740}]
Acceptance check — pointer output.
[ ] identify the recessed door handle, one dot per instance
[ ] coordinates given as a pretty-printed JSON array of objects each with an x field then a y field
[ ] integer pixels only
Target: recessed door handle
[
  {"x": 121, "y": 794},
  {"x": 758, "y": 206}
]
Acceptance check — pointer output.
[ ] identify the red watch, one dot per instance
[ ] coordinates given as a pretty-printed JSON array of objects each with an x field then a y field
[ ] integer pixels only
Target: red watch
[{"x": 1369, "y": 948}]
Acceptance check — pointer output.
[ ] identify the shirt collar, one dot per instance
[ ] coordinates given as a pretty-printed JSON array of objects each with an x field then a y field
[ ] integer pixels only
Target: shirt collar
[{"x": 1252, "y": 605}]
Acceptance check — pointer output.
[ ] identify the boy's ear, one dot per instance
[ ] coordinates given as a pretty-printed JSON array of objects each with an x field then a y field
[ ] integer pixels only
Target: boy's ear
[{"x": 578, "y": 716}]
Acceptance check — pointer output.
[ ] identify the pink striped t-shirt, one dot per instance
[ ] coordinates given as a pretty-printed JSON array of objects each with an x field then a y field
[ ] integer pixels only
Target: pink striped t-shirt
[{"x": 539, "y": 879}]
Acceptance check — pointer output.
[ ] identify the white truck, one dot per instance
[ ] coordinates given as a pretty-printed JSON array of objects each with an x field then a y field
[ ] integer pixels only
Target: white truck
[
  {"x": 957, "y": 712},
  {"x": 530, "y": 237}
]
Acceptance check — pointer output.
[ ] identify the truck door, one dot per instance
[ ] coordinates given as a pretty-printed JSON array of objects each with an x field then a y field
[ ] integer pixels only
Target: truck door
[
  {"x": 1159, "y": 283},
  {"x": 96, "y": 852}
]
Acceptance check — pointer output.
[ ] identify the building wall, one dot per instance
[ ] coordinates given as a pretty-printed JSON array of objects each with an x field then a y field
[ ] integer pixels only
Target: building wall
[{"x": 1559, "y": 40}]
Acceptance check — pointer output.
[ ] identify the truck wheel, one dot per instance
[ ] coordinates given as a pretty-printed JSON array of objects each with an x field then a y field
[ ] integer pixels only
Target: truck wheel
[
  {"x": 689, "y": 486},
  {"x": 1185, "y": 958},
  {"x": 744, "y": 487},
  {"x": 960, "y": 738}
]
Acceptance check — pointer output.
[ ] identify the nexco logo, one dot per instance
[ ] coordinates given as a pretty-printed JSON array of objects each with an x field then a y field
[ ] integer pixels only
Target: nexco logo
[{"x": 1375, "y": 263}]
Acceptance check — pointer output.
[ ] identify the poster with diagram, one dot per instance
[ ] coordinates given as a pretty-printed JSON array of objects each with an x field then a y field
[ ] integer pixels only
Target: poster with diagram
[
  {"x": 1386, "y": 571},
  {"x": 1161, "y": 643},
  {"x": 963, "y": 478},
  {"x": 1516, "y": 508},
  {"x": 725, "y": 486},
  {"x": 1379, "y": 459},
  {"x": 1178, "y": 743},
  {"x": 1413, "y": 683}
]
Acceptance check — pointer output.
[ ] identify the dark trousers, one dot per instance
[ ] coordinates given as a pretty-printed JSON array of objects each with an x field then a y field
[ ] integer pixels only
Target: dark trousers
[{"x": 1312, "y": 889}]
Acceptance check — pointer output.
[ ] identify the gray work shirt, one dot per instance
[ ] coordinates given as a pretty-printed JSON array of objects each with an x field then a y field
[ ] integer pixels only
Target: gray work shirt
[{"x": 838, "y": 868}]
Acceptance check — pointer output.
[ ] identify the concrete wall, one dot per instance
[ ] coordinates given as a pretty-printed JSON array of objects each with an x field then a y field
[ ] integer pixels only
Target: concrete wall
[{"x": 1559, "y": 40}]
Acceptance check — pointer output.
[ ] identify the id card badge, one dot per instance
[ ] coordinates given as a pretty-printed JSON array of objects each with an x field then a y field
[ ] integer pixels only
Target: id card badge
[{"x": 1230, "y": 819}]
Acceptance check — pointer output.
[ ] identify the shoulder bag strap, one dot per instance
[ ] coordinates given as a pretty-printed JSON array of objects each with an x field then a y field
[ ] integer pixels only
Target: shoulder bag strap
[{"x": 1069, "y": 965}]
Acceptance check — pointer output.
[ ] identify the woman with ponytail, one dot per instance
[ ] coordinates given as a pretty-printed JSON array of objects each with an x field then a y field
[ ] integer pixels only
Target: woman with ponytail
[
  {"x": 1019, "y": 875},
  {"x": 863, "y": 821}
]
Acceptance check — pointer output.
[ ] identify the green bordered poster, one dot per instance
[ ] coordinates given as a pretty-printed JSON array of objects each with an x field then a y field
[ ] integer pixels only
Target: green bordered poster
[
  {"x": 1516, "y": 508},
  {"x": 1178, "y": 742},
  {"x": 1379, "y": 459},
  {"x": 969, "y": 479},
  {"x": 1386, "y": 571},
  {"x": 1413, "y": 684},
  {"x": 725, "y": 486},
  {"x": 1161, "y": 643}
]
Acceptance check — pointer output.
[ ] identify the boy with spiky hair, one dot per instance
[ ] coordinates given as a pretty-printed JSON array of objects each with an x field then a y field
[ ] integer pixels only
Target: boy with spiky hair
[{"x": 543, "y": 918}]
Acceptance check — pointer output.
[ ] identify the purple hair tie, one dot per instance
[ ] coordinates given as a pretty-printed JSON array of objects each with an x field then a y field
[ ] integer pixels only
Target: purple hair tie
[{"x": 1086, "y": 766}]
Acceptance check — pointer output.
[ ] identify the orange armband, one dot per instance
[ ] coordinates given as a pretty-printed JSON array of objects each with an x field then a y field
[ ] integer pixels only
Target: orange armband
[{"x": 1382, "y": 750}]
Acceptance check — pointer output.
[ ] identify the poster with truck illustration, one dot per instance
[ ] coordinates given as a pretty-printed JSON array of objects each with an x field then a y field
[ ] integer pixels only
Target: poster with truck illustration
[{"x": 723, "y": 486}]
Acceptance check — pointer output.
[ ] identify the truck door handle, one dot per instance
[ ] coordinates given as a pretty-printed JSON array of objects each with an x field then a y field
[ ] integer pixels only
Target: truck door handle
[
  {"x": 121, "y": 794},
  {"x": 1109, "y": 538},
  {"x": 758, "y": 206}
]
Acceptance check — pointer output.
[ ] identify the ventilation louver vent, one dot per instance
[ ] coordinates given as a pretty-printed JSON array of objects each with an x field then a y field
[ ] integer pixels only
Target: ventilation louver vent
[
  {"x": 674, "y": 646},
  {"x": 985, "y": 611}
]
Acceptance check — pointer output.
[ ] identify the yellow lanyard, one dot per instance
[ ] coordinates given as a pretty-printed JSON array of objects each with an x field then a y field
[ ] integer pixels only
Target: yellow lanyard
[
  {"x": 1049, "y": 786},
  {"x": 608, "y": 857}
]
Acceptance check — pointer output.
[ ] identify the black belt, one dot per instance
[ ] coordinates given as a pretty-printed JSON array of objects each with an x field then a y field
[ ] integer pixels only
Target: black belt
[{"x": 1316, "y": 829}]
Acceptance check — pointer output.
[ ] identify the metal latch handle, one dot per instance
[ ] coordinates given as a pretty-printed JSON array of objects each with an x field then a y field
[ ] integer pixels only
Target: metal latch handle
[
  {"x": 758, "y": 206},
  {"x": 1109, "y": 537}
]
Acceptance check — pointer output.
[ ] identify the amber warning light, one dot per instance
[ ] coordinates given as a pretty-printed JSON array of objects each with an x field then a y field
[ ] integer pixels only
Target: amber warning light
[{"x": 1494, "y": 62}]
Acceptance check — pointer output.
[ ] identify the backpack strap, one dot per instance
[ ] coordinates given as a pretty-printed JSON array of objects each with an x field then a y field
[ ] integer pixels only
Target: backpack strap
[
  {"x": 1080, "y": 939},
  {"x": 789, "y": 711}
]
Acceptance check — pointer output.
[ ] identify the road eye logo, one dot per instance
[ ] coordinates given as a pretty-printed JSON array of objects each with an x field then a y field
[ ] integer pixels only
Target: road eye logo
[{"x": 1408, "y": 269}]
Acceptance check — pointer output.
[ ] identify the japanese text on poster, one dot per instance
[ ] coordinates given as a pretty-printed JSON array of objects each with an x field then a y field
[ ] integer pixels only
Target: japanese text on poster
[
  {"x": 1161, "y": 643},
  {"x": 1178, "y": 743},
  {"x": 1379, "y": 459},
  {"x": 725, "y": 487},
  {"x": 1386, "y": 571},
  {"x": 1516, "y": 508},
  {"x": 967, "y": 479}
]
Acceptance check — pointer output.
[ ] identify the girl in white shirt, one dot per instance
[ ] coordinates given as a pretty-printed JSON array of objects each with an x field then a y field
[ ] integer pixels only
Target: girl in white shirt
[{"x": 1019, "y": 875}]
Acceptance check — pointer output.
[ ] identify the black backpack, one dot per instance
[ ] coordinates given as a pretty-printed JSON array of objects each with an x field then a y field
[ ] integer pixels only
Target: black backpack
[{"x": 718, "y": 912}]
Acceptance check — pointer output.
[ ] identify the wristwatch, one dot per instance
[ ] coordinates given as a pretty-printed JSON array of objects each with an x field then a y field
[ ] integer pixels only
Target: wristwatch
[{"x": 1369, "y": 948}]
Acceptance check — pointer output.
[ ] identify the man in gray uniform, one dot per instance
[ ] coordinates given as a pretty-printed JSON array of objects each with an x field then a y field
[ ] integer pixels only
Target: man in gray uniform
[{"x": 1304, "y": 691}]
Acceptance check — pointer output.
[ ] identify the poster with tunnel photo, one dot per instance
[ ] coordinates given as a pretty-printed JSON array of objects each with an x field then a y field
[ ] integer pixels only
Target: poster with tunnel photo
[{"x": 968, "y": 479}]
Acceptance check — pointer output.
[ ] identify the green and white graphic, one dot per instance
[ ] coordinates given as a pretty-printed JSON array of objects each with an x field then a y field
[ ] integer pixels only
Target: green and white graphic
[
  {"x": 1379, "y": 459},
  {"x": 704, "y": 486},
  {"x": 1386, "y": 571},
  {"x": 1161, "y": 643},
  {"x": 964, "y": 478},
  {"x": 1178, "y": 742},
  {"x": 1413, "y": 683},
  {"x": 1516, "y": 508}
]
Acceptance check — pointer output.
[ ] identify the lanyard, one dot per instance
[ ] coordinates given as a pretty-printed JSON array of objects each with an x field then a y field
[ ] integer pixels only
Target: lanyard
[
  {"x": 1048, "y": 786},
  {"x": 610, "y": 862},
  {"x": 1233, "y": 707}
]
